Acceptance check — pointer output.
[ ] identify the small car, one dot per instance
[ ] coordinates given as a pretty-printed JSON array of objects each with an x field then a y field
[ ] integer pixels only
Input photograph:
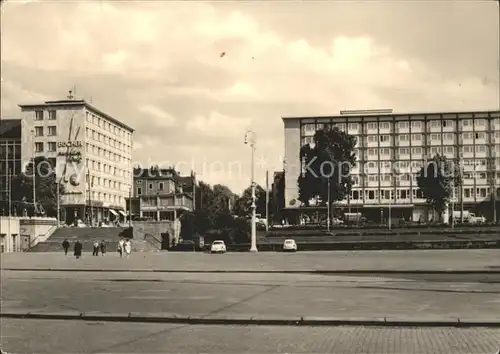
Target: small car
[
  {"x": 289, "y": 246},
  {"x": 218, "y": 246}
]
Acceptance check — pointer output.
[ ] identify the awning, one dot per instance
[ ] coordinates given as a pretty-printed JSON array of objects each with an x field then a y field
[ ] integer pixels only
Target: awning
[
  {"x": 122, "y": 212},
  {"x": 113, "y": 212}
]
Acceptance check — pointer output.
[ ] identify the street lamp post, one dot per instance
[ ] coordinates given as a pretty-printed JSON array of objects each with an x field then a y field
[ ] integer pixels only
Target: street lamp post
[
  {"x": 328, "y": 207},
  {"x": 250, "y": 140},
  {"x": 34, "y": 173}
]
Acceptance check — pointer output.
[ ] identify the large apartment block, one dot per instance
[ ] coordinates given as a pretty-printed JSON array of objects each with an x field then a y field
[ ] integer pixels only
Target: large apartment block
[
  {"x": 92, "y": 153},
  {"x": 392, "y": 147}
]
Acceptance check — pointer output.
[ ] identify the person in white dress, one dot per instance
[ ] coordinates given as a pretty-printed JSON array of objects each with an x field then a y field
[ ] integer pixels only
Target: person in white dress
[
  {"x": 121, "y": 245},
  {"x": 128, "y": 248}
]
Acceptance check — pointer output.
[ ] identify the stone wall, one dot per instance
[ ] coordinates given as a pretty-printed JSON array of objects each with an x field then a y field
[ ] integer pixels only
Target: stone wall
[{"x": 152, "y": 231}]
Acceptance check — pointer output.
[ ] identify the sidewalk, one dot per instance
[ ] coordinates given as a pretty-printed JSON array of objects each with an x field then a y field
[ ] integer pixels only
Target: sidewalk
[{"x": 465, "y": 261}]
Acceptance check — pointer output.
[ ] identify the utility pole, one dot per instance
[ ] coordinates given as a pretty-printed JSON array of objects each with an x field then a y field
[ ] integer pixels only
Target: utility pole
[
  {"x": 194, "y": 191},
  {"x": 34, "y": 175},
  {"x": 58, "y": 203},
  {"x": 328, "y": 207},
  {"x": 90, "y": 200},
  {"x": 267, "y": 200},
  {"x": 130, "y": 207}
]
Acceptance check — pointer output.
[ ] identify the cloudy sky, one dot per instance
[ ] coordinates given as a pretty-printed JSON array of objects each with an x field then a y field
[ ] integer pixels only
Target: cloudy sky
[{"x": 157, "y": 66}]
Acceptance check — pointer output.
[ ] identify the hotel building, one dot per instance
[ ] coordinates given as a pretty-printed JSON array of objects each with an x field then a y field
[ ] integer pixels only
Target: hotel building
[
  {"x": 391, "y": 149},
  {"x": 92, "y": 153}
]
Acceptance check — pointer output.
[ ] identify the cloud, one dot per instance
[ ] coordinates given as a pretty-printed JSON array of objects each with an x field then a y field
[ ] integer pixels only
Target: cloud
[
  {"x": 160, "y": 117},
  {"x": 157, "y": 67}
]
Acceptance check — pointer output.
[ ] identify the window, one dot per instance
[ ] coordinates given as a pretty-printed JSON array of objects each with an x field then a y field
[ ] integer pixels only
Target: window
[
  {"x": 139, "y": 190},
  {"x": 449, "y": 149},
  {"x": 403, "y": 125},
  {"x": 38, "y": 147},
  {"x": 467, "y": 193},
  {"x": 479, "y": 135},
  {"x": 38, "y": 131},
  {"x": 372, "y": 164},
  {"x": 52, "y": 115},
  {"x": 161, "y": 186},
  {"x": 416, "y": 137},
  {"x": 372, "y": 126},
  {"x": 372, "y": 138},
  {"x": 480, "y": 148},
  {"x": 52, "y": 130},
  {"x": 416, "y": 124},
  {"x": 38, "y": 115},
  {"x": 466, "y": 136},
  {"x": 434, "y": 123},
  {"x": 372, "y": 152},
  {"x": 404, "y": 151},
  {"x": 371, "y": 194},
  {"x": 466, "y": 123},
  {"x": 416, "y": 150},
  {"x": 403, "y": 137},
  {"x": 435, "y": 137},
  {"x": 353, "y": 126},
  {"x": 385, "y": 125},
  {"x": 384, "y": 138},
  {"x": 385, "y": 152},
  {"x": 150, "y": 186},
  {"x": 52, "y": 146},
  {"x": 448, "y": 136},
  {"x": 479, "y": 122},
  {"x": 372, "y": 178}
]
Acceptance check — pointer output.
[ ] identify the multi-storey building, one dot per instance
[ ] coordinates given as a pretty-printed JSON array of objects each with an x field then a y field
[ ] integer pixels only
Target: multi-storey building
[
  {"x": 161, "y": 194},
  {"x": 10, "y": 158},
  {"x": 391, "y": 149},
  {"x": 92, "y": 153}
]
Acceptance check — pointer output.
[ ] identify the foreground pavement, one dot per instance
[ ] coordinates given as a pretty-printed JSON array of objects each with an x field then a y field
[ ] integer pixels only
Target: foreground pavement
[
  {"x": 254, "y": 298},
  {"x": 340, "y": 261},
  {"x": 30, "y": 336}
]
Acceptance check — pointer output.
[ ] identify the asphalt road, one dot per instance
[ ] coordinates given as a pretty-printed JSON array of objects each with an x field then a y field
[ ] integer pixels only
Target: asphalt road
[
  {"x": 29, "y": 336},
  {"x": 254, "y": 295},
  {"x": 421, "y": 260}
]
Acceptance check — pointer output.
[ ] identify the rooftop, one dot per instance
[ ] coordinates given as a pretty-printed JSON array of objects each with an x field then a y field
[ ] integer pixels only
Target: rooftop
[
  {"x": 81, "y": 103},
  {"x": 386, "y": 113},
  {"x": 10, "y": 129}
]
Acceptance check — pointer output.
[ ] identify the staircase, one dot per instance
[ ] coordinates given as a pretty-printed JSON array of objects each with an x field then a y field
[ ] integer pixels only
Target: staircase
[{"x": 86, "y": 235}]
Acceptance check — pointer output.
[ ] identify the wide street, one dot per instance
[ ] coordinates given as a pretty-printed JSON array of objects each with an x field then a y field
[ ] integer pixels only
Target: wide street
[{"x": 115, "y": 288}]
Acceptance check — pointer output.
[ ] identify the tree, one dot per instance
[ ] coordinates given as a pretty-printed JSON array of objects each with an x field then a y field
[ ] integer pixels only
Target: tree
[
  {"x": 46, "y": 188},
  {"x": 243, "y": 205},
  {"x": 329, "y": 162},
  {"x": 436, "y": 179}
]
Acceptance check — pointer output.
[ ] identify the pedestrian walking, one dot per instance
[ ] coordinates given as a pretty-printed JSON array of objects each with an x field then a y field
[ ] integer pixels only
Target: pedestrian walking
[
  {"x": 121, "y": 245},
  {"x": 65, "y": 246},
  {"x": 78, "y": 249},
  {"x": 128, "y": 248},
  {"x": 103, "y": 247},
  {"x": 96, "y": 248}
]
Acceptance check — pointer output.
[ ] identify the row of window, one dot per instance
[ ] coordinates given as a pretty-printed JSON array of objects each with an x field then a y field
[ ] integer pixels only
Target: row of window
[
  {"x": 433, "y": 150},
  {"x": 106, "y": 125},
  {"x": 388, "y": 194},
  {"x": 10, "y": 149},
  {"x": 107, "y": 197},
  {"x": 107, "y": 154},
  {"x": 481, "y": 124},
  {"x": 51, "y": 130},
  {"x": 107, "y": 168},
  {"x": 108, "y": 140},
  {"x": 51, "y": 114},
  {"x": 387, "y": 165},
  {"x": 105, "y": 182},
  {"x": 407, "y": 177}
]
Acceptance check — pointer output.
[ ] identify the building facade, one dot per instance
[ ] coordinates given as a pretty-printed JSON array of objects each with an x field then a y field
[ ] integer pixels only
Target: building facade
[
  {"x": 92, "y": 153},
  {"x": 10, "y": 158},
  {"x": 391, "y": 149},
  {"x": 161, "y": 194}
]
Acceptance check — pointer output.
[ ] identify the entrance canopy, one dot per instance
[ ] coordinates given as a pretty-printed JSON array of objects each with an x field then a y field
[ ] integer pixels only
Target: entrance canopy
[{"x": 113, "y": 212}]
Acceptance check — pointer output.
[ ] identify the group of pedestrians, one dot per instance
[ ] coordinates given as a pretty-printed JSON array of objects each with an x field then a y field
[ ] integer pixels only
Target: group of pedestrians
[{"x": 124, "y": 248}]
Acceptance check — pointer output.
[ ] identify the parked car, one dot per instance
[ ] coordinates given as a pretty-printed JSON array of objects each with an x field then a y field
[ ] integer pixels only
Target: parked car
[
  {"x": 218, "y": 246},
  {"x": 289, "y": 246}
]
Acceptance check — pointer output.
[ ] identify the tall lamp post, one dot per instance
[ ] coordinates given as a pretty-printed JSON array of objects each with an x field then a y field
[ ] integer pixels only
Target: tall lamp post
[
  {"x": 250, "y": 140},
  {"x": 34, "y": 173}
]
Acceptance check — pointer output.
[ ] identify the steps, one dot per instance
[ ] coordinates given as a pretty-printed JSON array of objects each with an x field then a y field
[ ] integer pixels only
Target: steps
[{"x": 87, "y": 236}]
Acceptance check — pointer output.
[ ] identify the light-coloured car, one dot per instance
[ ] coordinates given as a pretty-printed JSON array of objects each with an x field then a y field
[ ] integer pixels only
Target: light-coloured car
[
  {"x": 218, "y": 246},
  {"x": 289, "y": 246}
]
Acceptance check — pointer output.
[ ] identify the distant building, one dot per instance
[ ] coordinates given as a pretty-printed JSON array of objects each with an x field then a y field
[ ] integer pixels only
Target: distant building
[
  {"x": 392, "y": 148},
  {"x": 161, "y": 194},
  {"x": 10, "y": 158},
  {"x": 92, "y": 153}
]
